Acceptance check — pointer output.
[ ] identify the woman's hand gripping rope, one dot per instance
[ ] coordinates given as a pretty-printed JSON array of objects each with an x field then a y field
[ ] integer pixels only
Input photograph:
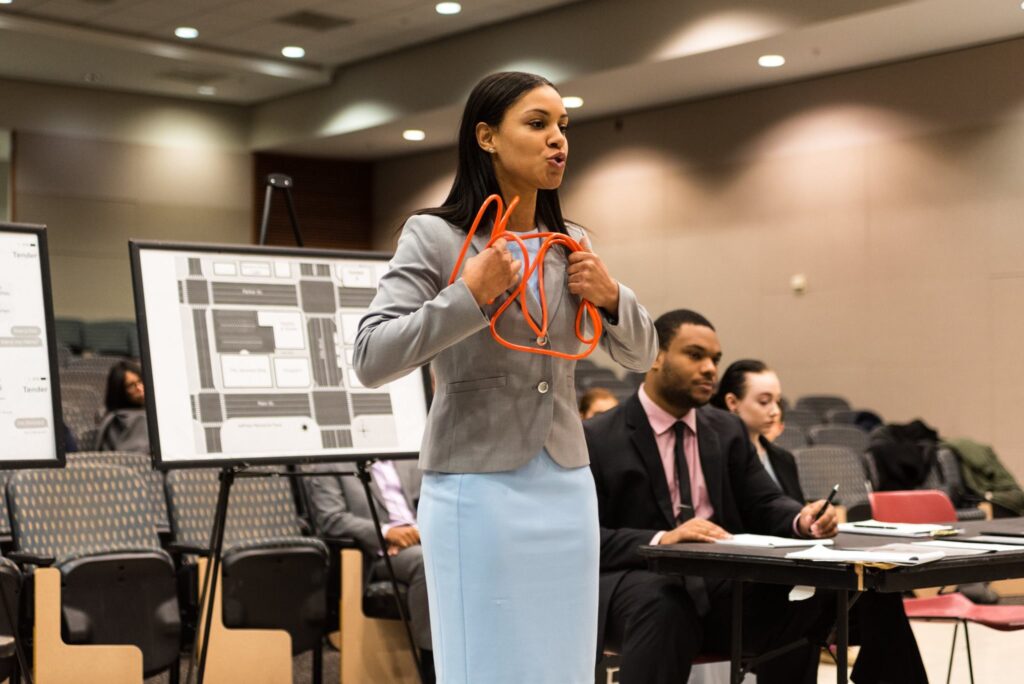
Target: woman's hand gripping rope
[{"x": 494, "y": 270}]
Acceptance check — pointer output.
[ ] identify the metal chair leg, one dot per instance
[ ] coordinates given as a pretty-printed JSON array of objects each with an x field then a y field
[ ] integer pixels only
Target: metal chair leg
[
  {"x": 952, "y": 650},
  {"x": 318, "y": 664},
  {"x": 175, "y": 672},
  {"x": 970, "y": 664}
]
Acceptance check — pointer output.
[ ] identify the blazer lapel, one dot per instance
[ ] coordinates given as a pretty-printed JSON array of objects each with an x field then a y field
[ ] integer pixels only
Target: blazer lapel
[
  {"x": 643, "y": 439},
  {"x": 711, "y": 463}
]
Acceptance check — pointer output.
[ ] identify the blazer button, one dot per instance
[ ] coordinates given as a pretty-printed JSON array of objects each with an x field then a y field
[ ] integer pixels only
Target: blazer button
[
  {"x": 543, "y": 387},
  {"x": 542, "y": 340}
]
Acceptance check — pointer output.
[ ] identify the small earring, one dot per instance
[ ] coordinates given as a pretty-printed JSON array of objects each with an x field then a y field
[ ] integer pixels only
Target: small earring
[{"x": 490, "y": 150}]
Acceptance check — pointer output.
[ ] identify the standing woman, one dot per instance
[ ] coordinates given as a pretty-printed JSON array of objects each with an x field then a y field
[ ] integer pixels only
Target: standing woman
[{"x": 508, "y": 511}]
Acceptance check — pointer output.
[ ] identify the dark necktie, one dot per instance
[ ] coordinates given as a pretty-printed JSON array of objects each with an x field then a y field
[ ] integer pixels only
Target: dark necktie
[
  {"x": 695, "y": 586},
  {"x": 682, "y": 474}
]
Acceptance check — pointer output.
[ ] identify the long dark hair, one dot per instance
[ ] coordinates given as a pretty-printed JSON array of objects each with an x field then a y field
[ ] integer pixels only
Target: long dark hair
[
  {"x": 474, "y": 176},
  {"x": 734, "y": 380},
  {"x": 117, "y": 398}
]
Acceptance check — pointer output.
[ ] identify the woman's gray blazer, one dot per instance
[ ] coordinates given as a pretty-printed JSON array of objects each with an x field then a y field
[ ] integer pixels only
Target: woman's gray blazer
[{"x": 493, "y": 408}]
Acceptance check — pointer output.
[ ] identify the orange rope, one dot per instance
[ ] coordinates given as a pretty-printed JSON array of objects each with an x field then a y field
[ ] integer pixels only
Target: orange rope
[{"x": 550, "y": 239}]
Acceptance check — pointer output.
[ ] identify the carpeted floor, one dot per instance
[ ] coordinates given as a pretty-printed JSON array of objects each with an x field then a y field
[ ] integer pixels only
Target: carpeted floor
[{"x": 302, "y": 670}]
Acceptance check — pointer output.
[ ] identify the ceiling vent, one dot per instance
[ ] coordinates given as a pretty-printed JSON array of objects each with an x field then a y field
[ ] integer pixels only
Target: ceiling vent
[
  {"x": 313, "y": 21},
  {"x": 193, "y": 78}
]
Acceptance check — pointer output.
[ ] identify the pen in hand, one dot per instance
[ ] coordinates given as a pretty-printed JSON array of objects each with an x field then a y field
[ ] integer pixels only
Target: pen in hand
[{"x": 824, "y": 506}]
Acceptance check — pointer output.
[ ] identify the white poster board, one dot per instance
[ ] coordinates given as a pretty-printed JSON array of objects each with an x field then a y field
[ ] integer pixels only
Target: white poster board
[
  {"x": 31, "y": 430},
  {"x": 247, "y": 353}
]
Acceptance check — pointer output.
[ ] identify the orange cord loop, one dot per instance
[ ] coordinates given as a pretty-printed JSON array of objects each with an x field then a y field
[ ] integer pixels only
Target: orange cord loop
[{"x": 550, "y": 239}]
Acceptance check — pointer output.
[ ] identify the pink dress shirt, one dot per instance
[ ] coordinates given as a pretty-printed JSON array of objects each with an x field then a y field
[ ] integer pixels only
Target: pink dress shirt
[
  {"x": 661, "y": 423},
  {"x": 385, "y": 476}
]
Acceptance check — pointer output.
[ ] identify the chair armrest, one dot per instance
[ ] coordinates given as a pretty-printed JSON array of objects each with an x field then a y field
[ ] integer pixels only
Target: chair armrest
[
  {"x": 30, "y": 559},
  {"x": 178, "y": 549},
  {"x": 337, "y": 543}
]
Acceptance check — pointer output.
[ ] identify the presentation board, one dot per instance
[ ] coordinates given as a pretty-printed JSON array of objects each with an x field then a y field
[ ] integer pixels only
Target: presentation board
[
  {"x": 247, "y": 357},
  {"x": 31, "y": 429}
]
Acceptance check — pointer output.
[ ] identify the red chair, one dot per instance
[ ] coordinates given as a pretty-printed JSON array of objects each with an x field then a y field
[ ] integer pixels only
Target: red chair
[
  {"x": 932, "y": 506},
  {"x": 916, "y": 506}
]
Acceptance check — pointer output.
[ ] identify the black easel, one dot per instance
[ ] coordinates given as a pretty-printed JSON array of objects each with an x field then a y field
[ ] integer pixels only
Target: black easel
[
  {"x": 208, "y": 594},
  {"x": 279, "y": 181}
]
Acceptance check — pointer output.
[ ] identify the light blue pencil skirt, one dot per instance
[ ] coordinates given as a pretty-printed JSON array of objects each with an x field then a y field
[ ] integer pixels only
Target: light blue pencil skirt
[{"x": 511, "y": 561}]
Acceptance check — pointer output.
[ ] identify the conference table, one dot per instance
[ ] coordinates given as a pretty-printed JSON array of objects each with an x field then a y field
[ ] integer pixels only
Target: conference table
[{"x": 743, "y": 565}]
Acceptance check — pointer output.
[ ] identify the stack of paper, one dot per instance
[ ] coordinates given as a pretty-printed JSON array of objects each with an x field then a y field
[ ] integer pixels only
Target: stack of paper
[
  {"x": 891, "y": 529},
  {"x": 880, "y": 555},
  {"x": 1002, "y": 540},
  {"x": 768, "y": 542}
]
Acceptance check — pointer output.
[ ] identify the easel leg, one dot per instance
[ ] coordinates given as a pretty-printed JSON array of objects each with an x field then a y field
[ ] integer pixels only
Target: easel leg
[
  {"x": 363, "y": 473},
  {"x": 209, "y": 592}
]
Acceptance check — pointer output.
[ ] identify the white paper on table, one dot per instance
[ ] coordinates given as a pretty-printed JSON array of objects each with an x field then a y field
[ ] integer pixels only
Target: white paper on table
[
  {"x": 964, "y": 548},
  {"x": 824, "y": 554},
  {"x": 766, "y": 541},
  {"x": 891, "y": 529},
  {"x": 1015, "y": 542}
]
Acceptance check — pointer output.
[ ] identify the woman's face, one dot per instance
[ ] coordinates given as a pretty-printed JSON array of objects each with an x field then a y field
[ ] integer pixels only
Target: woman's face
[
  {"x": 759, "y": 407},
  {"x": 134, "y": 388},
  {"x": 530, "y": 147}
]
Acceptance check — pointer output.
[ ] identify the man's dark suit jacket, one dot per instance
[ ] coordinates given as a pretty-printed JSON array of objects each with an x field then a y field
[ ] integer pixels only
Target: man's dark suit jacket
[
  {"x": 632, "y": 493},
  {"x": 784, "y": 466}
]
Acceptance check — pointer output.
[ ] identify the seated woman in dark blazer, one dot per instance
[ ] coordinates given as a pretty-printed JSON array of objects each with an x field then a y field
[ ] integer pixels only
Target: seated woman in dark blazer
[
  {"x": 752, "y": 391},
  {"x": 123, "y": 427}
]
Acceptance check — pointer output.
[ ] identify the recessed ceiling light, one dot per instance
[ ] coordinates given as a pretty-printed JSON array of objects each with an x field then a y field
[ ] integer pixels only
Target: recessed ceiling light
[
  {"x": 448, "y": 8},
  {"x": 293, "y": 52},
  {"x": 186, "y": 32},
  {"x": 572, "y": 102},
  {"x": 414, "y": 134},
  {"x": 207, "y": 90},
  {"x": 771, "y": 61},
  {"x": 6, "y": 2}
]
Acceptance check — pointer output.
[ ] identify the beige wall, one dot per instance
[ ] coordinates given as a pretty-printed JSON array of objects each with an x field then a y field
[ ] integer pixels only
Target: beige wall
[
  {"x": 99, "y": 168},
  {"x": 897, "y": 191}
]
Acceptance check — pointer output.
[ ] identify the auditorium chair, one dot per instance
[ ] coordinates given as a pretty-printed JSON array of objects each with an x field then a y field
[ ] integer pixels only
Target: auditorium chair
[
  {"x": 821, "y": 467},
  {"x": 70, "y": 333},
  {"x": 800, "y": 418},
  {"x": 273, "y": 577},
  {"x": 839, "y": 435},
  {"x": 931, "y": 506},
  {"x": 945, "y": 477},
  {"x": 95, "y": 526},
  {"x": 793, "y": 437},
  {"x": 140, "y": 464},
  {"x": 374, "y": 646},
  {"x": 821, "y": 404},
  {"x": 82, "y": 423},
  {"x": 109, "y": 337},
  {"x": 85, "y": 398}
]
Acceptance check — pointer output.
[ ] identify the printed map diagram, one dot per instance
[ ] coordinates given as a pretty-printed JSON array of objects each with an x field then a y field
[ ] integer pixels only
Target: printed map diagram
[{"x": 268, "y": 351}]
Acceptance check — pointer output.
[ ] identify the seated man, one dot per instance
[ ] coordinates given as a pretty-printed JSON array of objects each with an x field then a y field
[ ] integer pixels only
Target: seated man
[
  {"x": 340, "y": 509},
  {"x": 668, "y": 470}
]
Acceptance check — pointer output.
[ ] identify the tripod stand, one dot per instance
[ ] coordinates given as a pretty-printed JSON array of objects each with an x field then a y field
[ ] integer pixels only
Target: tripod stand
[{"x": 279, "y": 181}]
